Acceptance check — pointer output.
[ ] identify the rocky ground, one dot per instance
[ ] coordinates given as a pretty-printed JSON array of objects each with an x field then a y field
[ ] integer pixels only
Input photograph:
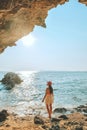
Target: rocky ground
[{"x": 77, "y": 120}]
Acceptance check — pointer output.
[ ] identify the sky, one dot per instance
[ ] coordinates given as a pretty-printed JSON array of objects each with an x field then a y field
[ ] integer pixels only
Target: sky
[{"x": 61, "y": 46}]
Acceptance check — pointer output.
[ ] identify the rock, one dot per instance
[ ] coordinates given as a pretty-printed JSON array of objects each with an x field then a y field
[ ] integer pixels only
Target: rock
[
  {"x": 10, "y": 80},
  {"x": 64, "y": 117},
  {"x": 55, "y": 120},
  {"x": 3, "y": 115},
  {"x": 60, "y": 110},
  {"x": 72, "y": 123},
  {"x": 45, "y": 127},
  {"x": 85, "y": 114},
  {"x": 75, "y": 121},
  {"x": 84, "y": 127},
  {"x": 19, "y": 17},
  {"x": 81, "y": 108},
  {"x": 7, "y": 125},
  {"x": 55, "y": 127},
  {"x": 85, "y": 110},
  {"x": 38, "y": 120},
  {"x": 78, "y": 128},
  {"x": 86, "y": 119}
]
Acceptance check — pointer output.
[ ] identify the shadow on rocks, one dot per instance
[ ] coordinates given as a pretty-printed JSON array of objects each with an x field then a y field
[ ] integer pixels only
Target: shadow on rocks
[{"x": 3, "y": 115}]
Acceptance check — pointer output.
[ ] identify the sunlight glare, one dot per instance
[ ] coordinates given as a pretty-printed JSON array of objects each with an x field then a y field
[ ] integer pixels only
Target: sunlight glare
[{"x": 28, "y": 40}]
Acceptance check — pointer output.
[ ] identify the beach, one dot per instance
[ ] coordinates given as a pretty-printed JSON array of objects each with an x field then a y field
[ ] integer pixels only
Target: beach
[{"x": 74, "y": 121}]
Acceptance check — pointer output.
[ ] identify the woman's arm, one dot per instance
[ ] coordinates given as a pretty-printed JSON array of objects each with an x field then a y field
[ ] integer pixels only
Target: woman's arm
[{"x": 44, "y": 96}]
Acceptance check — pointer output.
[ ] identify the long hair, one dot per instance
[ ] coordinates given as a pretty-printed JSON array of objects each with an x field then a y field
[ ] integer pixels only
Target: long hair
[{"x": 51, "y": 89}]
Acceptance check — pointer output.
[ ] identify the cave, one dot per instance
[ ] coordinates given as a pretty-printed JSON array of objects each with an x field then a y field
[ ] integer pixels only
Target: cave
[{"x": 18, "y": 18}]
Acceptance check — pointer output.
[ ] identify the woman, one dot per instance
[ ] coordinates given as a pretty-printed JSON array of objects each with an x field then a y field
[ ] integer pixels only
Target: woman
[{"x": 49, "y": 97}]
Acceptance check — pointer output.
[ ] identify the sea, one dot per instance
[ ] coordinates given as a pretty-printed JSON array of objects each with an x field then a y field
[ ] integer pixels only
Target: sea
[{"x": 70, "y": 91}]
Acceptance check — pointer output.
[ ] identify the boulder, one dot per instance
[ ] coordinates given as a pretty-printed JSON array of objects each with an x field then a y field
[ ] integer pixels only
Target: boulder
[
  {"x": 10, "y": 80},
  {"x": 64, "y": 117},
  {"x": 60, "y": 110},
  {"x": 3, "y": 115},
  {"x": 81, "y": 108},
  {"x": 38, "y": 120},
  {"x": 55, "y": 127}
]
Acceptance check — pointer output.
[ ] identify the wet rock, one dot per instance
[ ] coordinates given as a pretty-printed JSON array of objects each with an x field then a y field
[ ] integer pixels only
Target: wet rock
[
  {"x": 55, "y": 120},
  {"x": 78, "y": 128},
  {"x": 64, "y": 117},
  {"x": 10, "y": 80},
  {"x": 71, "y": 123},
  {"x": 85, "y": 119},
  {"x": 85, "y": 110},
  {"x": 60, "y": 110},
  {"x": 85, "y": 114},
  {"x": 3, "y": 115},
  {"x": 81, "y": 108},
  {"x": 45, "y": 127},
  {"x": 38, "y": 120},
  {"x": 55, "y": 127},
  {"x": 7, "y": 125}
]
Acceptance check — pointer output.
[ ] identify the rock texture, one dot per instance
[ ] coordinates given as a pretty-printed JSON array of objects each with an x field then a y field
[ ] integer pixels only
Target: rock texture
[
  {"x": 83, "y": 1},
  {"x": 18, "y": 18},
  {"x": 10, "y": 80},
  {"x": 75, "y": 121},
  {"x": 3, "y": 115}
]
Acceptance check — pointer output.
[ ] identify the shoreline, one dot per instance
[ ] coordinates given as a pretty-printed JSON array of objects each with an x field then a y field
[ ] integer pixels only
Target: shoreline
[{"x": 77, "y": 120}]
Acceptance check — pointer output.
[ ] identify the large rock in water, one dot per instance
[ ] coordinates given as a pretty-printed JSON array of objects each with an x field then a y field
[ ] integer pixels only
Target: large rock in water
[{"x": 10, "y": 80}]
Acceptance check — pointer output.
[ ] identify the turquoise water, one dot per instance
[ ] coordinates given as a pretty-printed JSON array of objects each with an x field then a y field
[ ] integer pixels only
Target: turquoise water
[{"x": 70, "y": 90}]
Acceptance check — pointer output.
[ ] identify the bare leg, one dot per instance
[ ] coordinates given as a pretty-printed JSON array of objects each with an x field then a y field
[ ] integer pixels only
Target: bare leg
[
  {"x": 51, "y": 108},
  {"x": 48, "y": 110}
]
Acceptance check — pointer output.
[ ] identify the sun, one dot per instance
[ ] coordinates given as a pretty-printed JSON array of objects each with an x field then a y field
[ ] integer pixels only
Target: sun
[{"x": 28, "y": 40}]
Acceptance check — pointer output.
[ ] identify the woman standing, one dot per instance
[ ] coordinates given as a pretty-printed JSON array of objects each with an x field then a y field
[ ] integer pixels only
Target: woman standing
[{"x": 49, "y": 98}]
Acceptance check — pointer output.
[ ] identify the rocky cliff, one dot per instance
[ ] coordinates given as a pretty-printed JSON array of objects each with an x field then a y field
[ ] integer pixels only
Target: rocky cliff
[{"x": 18, "y": 18}]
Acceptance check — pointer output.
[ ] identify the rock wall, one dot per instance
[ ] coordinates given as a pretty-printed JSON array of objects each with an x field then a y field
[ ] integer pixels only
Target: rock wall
[
  {"x": 18, "y": 18},
  {"x": 83, "y": 1}
]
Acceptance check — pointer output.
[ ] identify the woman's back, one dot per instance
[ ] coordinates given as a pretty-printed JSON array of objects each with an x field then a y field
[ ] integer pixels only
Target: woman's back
[{"x": 49, "y": 90}]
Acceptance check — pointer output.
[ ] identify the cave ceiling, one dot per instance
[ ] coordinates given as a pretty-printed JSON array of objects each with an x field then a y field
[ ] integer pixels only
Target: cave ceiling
[{"x": 19, "y": 17}]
